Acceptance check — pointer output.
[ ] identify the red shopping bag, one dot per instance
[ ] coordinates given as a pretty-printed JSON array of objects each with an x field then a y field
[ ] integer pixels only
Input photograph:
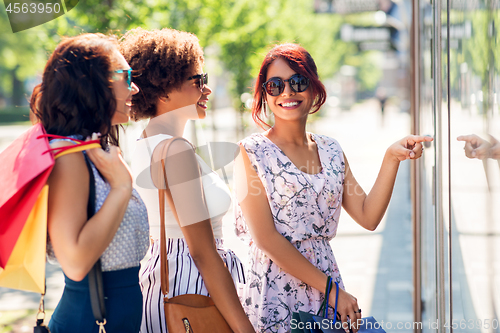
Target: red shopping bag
[{"x": 24, "y": 169}]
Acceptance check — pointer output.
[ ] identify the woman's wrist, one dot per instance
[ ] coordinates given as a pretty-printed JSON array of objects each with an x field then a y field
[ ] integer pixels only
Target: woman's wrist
[
  {"x": 124, "y": 190},
  {"x": 390, "y": 157}
]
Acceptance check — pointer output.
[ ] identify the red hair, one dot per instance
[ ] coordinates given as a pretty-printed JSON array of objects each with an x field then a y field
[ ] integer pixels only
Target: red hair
[{"x": 299, "y": 61}]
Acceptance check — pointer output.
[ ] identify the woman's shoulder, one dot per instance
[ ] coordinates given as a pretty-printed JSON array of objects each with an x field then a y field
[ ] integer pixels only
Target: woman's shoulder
[
  {"x": 252, "y": 141},
  {"x": 174, "y": 145},
  {"x": 326, "y": 141},
  {"x": 70, "y": 172},
  {"x": 151, "y": 142}
]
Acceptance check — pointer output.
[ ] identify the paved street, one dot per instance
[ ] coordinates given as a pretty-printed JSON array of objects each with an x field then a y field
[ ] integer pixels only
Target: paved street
[{"x": 370, "y": 268}]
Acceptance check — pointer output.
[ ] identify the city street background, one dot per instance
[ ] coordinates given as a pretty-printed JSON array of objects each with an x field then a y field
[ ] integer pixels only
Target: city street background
[
  {"x": 375, "y": 266},
  {"x": 362, "y": 51}
]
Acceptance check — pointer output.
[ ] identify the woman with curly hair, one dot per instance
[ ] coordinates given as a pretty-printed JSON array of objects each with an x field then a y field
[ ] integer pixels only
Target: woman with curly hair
[
  {"x": 290, "y": 187},
  {"x": 174, "y": 90},
  {"x": 87, "y": 89}
]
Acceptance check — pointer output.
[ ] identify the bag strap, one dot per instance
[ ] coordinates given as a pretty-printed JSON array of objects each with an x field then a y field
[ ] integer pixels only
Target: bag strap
[
  {"x": 96, "y": 286},
  {"x": 164, "y": 193},
  {"x": 336, "y": 302},
  {"x": 324, "y": 305},
  {"x": 163, "y": 240},
  {"x": 41, "y": 310}
]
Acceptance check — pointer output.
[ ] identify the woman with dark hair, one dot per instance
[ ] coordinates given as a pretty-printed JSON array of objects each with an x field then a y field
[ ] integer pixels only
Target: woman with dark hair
[
  {"x": 174, "y": 90},
  {"x": 290, "y": 186},
  {"x": 86, "y": 89}
]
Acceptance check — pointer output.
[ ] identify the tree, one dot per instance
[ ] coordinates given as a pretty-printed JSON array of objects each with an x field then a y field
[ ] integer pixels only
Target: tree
[
  {"x": 253, "y": 26},
  {"x": 22, "y": 55},
  {"x": 482, "y": 50},
  {"x": 242, "y": 30}
]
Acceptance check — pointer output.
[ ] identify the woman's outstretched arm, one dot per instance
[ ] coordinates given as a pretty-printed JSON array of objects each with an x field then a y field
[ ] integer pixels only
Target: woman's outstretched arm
[{"x": 368, "y": 210}]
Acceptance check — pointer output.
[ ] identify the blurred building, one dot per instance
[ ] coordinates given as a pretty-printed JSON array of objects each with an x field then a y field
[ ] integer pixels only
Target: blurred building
[
  {"x": 389, "y": 34},
  {"x": 444, "y": 58},
  {"x": 455, "y": 83}
]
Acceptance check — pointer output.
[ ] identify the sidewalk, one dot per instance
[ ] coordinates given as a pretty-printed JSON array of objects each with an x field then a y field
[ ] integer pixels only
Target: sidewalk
[{"x": 370, "y": 268}]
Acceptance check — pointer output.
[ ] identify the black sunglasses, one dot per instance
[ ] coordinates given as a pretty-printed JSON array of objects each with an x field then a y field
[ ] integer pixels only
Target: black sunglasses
[
  {"x": 275, "y": 85},
  {"x": 203, "y": 79}
]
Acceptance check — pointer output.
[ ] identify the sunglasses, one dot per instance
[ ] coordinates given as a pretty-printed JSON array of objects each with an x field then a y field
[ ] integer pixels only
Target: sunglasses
[
  {"x": 128, "y": 76},
  {"x": 203, "y": 79},
  {"x": 275, "y": 85}
]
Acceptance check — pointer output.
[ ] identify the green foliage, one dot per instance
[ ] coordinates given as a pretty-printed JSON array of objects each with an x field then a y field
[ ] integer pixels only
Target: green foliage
[
  {"x": 21, "y": 54},
  {"x": 482, "y": 50},
  {"x": 253, "y": 27},
  {"x": 14, "y": 114},
  {"x": 241, "y": 31},
  {"x": 369, "y": 72},
  {"x": 477, "y": 47},
  {"x": 495, "y": 42}
]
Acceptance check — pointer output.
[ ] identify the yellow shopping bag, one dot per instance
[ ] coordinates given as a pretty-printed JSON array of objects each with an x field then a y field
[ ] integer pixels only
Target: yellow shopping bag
[
  {"x": 25, "y": 268},
  {"x": 23, "y": 228}
]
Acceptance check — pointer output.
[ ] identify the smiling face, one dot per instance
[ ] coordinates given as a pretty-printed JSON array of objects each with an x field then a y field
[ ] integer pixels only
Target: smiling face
[
  {"x": 289, "y": 105},
  {"x": 189, "y": 93},
  {"x": 123, "y": 94}
]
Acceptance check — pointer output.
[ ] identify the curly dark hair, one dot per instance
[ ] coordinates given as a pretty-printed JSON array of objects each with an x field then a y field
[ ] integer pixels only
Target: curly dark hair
[
  {"x": 162, "y": 59},
  {"x": 76, "y": 94}
]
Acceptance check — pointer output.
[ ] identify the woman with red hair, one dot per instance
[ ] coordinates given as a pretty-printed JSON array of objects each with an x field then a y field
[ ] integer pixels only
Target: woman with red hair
[{"x": 290, "y": 187}]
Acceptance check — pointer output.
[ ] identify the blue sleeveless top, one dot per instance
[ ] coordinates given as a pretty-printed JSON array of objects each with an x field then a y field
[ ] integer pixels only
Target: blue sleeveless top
[{"x": 131, "y": 241}]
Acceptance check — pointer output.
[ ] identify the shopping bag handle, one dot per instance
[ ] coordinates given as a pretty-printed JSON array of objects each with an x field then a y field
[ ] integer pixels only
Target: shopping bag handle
[
  {"x": 79, "y": 146},
  {"x": 327, "y": 293},
  {"x": 336, "y": 302},
  {"x": 324, "y": 305}
]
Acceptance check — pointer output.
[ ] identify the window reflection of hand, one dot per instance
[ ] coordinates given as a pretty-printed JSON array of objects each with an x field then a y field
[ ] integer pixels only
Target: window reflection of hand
[
  {"x": 495, "y": 148},
  {"x": 475, "y": 147}
]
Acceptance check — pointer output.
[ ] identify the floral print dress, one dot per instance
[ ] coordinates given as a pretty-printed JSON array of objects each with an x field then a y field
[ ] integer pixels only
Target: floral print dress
[{"x": 306, "y": 210}]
